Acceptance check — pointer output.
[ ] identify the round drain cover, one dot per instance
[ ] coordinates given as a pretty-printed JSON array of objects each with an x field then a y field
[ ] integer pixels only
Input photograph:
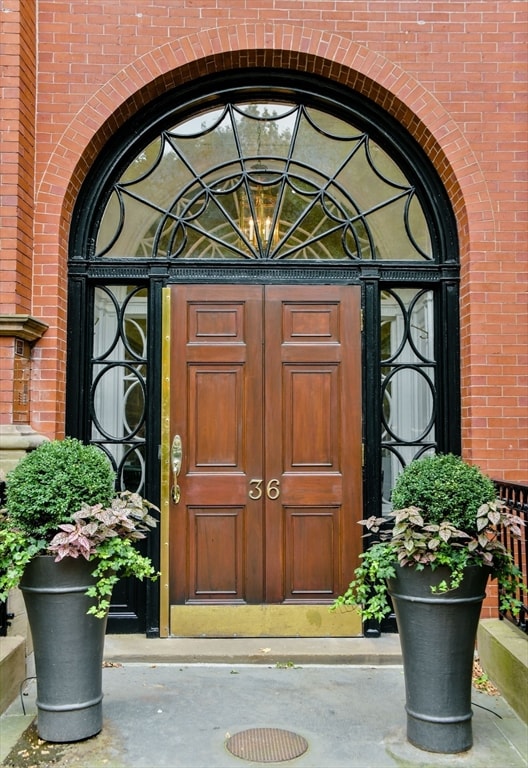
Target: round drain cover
[{"x": 266, "y": 745}]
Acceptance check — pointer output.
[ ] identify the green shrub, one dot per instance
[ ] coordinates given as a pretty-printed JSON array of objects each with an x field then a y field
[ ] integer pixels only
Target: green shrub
[
  {"x": 54, "y": 481},
  {"x": 444, "y": 487},
  {"x": 445, "y": 514}
]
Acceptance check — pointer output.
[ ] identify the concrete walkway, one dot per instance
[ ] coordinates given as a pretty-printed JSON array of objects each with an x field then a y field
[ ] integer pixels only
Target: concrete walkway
[{"x": 177, "y": 703}]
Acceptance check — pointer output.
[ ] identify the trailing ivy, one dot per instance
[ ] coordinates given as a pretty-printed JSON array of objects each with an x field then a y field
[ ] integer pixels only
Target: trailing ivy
[
  {"x": 115, "y": 559},
  {"x": 16, "y": 551},
  {"x": 368, "y": 591}
]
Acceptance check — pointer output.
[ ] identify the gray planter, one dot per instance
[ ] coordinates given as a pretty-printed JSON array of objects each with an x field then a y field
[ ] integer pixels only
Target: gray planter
[
  {"x": 68, "y": 646},
  {"x": 437, "y": 634}
]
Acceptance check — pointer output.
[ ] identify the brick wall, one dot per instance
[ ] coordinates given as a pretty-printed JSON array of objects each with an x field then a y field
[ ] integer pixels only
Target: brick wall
[{"x": 17, "y": 158}]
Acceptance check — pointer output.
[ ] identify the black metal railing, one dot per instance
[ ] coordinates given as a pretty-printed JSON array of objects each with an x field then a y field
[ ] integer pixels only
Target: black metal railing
[
  {"x": 4, "y": 615},
  {"x": 516, "y": 498}
]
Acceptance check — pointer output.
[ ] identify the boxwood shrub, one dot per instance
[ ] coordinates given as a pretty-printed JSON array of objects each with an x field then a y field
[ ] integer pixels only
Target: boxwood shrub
[
  {"x": 444, "y": 487},
  {"x": 52, "y": 482}
]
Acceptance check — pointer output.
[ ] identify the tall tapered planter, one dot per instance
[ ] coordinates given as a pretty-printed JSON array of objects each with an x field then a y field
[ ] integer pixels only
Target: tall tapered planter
[
  {"x": 437, "y": 634},
  {"x": 68, "y": 646}
]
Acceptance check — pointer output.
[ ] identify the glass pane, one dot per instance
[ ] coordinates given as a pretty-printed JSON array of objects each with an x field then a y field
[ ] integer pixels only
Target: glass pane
[
  {"x": 389, "y": 231},
  {"x": 336, "y": 142},
  {"x": 408, "y": 403},
  {"x": 408, "y": 381},
  {"x": 131, "y": 473},
  {"x": 202, "y": 151},
  {"x": 119, "y": 375},
  {"x": 264, "y": 131},
  {"x": 198, "y": 124},
  {"x": 264, "y": 181}
]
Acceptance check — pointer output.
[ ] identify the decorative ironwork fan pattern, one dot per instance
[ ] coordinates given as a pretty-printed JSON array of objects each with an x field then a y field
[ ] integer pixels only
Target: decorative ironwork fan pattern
[{"x": 264, "y": 181}]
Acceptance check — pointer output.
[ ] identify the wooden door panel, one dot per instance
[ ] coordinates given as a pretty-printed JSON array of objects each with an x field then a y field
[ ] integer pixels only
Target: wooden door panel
[
  {"x": 308, "y": 323},
  {"x": 311, "y": 434},
  {"x": 310, "y": 543},
  {"x": 216, "y": 554},
  {"x": 216, "y": 407},
  {"x": 215, "y": 443},
  {"x": 312, "y": 387},
  {"x": 322, "y": 488},
  {"x": 215, "y": 322}
]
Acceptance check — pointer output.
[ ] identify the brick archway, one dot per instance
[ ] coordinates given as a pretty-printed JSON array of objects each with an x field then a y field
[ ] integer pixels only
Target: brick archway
[
  {"x": 215, "y": 50},
  {"x": 337, "y": 58}
]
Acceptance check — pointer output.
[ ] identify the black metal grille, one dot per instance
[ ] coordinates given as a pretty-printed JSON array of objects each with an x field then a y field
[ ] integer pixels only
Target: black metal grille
[
  {"x": 515, "y": 497},
  {"x": 409, "y": 405},
  {"x": 118, "y": 387}
]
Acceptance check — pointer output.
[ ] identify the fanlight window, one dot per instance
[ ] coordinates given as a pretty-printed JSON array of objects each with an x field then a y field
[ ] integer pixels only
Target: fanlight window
[{"x": 264, "y": 181}]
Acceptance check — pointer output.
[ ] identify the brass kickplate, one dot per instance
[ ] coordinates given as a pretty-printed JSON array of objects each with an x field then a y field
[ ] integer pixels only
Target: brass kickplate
[{"x": 266, "y": 745}]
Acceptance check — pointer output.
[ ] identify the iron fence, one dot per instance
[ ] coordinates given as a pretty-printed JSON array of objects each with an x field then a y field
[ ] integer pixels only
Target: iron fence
[
  {"x": 515, "y": 497},
  {"x": 4, "y": 615}
]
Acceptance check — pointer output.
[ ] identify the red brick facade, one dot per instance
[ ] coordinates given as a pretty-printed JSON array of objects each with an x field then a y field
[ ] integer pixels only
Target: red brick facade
[{"x": 454, "y": 73}]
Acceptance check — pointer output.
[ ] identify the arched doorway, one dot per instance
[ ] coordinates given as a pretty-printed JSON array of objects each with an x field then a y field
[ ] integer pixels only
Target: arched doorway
[{"x": 302, "y": 252}]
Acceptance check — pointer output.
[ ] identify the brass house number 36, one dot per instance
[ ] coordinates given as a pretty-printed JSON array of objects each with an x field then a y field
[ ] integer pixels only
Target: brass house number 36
[{"x": 272, "y": 489}]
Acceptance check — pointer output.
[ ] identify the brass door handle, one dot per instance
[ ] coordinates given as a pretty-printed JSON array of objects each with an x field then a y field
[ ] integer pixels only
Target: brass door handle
[{"x": 176, "y": 460}]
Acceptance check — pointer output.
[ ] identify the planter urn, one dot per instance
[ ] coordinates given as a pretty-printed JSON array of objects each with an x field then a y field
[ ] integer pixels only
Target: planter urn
[
  {"x": 437, "y": 634},
  {"x": 68, "y": 646}
]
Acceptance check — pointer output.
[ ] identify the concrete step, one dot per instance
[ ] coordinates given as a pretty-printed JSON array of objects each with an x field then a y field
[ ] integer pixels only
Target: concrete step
[
  {"x": 261, "y": 650},
  {"x": 12, "y": 668}
]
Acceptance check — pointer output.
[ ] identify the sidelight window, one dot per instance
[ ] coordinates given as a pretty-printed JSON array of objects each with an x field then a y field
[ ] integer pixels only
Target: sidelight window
[
  {"x": 118, "y": 390},
  {"x": 408, "y": 375}
]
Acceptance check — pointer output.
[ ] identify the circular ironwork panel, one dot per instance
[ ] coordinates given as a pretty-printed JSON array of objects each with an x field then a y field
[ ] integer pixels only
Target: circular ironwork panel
[{"x": 266, "y": 745}]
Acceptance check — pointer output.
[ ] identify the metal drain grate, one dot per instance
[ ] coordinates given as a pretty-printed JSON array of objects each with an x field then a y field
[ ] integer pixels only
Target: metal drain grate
[{"x": 266, "y": 745}]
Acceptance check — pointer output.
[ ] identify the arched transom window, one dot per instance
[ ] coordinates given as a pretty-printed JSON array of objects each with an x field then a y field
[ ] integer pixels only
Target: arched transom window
[{"x": 257, "y": 180}]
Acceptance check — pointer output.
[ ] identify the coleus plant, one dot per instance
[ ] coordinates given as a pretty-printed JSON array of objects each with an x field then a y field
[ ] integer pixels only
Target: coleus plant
[{"x": 106, "y": 536}]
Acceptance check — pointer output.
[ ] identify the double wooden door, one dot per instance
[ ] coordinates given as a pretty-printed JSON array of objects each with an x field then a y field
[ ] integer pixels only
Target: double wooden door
[{"x": 265, "y": 425}]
